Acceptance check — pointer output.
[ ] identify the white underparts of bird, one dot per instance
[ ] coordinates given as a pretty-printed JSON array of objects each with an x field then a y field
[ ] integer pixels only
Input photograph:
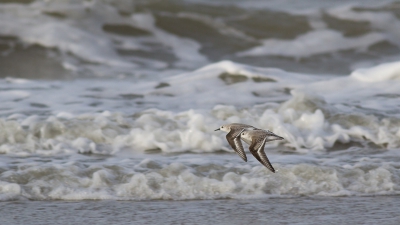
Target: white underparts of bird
[{"x": 254, "y": 137}]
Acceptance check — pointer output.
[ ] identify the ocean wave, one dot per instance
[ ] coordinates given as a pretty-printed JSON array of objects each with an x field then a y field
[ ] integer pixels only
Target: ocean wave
[
  {"x": 142, "y": 39},
  {"x": 190, "y": 131},
  {"x": 311, "y": 113},
  {"x": 175, "y": 181}
]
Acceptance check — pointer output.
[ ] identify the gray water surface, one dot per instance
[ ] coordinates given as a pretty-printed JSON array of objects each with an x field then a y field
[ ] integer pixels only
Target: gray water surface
[{"x": 302, "y": 210}]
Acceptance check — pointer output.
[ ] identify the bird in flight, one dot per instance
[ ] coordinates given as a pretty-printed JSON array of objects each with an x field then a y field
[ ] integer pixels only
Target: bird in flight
[{"x": 253, "y": 136}]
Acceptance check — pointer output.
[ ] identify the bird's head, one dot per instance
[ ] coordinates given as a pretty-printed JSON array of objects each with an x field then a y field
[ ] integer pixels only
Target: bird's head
[{"x": 225, "y": 128}]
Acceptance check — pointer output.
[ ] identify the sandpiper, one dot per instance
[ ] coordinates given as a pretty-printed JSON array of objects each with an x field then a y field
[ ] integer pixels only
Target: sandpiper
[
  {"x": 257, "y": 139},
  {"x": 234, "y": 130}
]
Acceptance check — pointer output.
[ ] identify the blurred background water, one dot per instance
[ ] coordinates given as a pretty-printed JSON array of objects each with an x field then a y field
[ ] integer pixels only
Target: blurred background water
[
  {"x": 63, "y": 39},
  {"x": 119, "y": 99}
]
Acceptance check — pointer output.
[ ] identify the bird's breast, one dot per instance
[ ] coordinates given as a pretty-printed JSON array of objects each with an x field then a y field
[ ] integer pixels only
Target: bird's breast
[{"x": 246, "y": 139}]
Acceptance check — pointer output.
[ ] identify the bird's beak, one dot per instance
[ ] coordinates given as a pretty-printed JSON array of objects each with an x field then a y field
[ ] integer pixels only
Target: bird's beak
[
  {"x": 278, "y": 137},
  {"x": 217, "y": 129},
  {"x": 275, "y": 137}
]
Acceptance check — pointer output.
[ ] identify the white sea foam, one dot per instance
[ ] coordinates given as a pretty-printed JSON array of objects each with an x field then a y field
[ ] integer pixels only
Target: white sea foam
[
  {"x": 80, "y": 34},
  {"x": 313, "y": 43},
  {"x": 74, "y": 32},
  {"x": 381, "y": 21},
  {"x": 388, "y": 72},
  {"x": 55, "y": 34},
  {"x": 315, "y": 115},
  {"x": 176, "y": 181},
  {"x": 140, "y": 138},
  {"x": 305, "y": 7},
  {"x": 186, "y": 50}
]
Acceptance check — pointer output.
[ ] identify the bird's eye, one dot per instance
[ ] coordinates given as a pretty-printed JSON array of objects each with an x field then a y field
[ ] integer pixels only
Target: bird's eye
[{"x": 222, "y": 127}]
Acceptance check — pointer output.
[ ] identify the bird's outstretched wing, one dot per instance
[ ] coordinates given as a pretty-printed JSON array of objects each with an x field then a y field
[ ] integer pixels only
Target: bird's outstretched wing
[
  {"x": 257, "y": 149},
  {"x": 234, "y": 141}
]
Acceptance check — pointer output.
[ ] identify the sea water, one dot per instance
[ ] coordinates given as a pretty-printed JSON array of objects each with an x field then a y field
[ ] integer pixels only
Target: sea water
[{"x": 117, "y": 101}]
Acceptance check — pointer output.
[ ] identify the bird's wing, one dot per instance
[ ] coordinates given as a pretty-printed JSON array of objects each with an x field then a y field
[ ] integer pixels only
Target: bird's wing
[
  {"x": 257, "y": 149},
  {"x": 233, "y": 138}
]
